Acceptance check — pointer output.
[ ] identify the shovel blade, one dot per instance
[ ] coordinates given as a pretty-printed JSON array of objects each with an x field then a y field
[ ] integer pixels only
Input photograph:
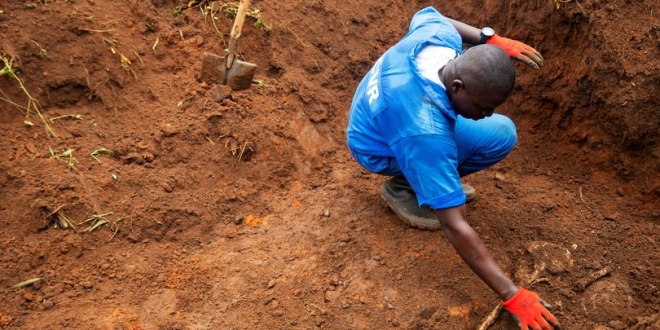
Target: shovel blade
[
  {"x": 213, "y": 68},
  {"x": 238, "y": 77}
]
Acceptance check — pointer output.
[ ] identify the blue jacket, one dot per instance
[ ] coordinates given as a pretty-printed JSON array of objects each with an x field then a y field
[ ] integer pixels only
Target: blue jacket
[{"x": 398, "y": 114}]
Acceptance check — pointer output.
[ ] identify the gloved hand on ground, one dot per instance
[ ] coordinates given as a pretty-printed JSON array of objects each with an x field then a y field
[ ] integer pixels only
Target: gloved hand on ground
[
  {"x": 530, "y": 311},
  {"x": 518, "y": 51}
]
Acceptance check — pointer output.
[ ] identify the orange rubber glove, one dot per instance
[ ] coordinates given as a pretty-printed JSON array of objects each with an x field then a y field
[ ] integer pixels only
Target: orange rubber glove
[
  {"x": 530, "y": 311},
  {"x": 518, "y": 51}
]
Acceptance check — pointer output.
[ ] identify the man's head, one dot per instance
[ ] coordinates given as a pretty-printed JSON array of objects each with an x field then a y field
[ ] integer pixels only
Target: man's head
[{"x": 479, "y": 80}]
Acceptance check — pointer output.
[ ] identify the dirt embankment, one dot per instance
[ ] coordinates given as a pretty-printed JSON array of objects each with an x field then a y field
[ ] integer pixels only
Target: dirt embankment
[{"x": 199, "y": 208}]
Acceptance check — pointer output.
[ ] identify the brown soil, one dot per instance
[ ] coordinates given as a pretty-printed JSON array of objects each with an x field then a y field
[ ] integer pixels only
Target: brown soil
[{"x": 245, "y": 210}]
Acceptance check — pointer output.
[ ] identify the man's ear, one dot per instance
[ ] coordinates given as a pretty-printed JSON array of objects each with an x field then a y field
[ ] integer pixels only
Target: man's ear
[{"x": 456, "y": 86}]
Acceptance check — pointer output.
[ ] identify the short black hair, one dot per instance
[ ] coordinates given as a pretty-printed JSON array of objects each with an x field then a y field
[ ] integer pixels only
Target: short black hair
[{"x": 489, "y": 67}]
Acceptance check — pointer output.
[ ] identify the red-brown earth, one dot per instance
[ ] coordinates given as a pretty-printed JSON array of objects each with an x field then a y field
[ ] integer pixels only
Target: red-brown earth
[{"x": 244, "y": 210}]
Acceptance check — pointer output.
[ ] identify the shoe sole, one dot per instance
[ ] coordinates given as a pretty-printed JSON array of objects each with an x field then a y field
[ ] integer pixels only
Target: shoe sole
[{"x": 419, "y": 223}]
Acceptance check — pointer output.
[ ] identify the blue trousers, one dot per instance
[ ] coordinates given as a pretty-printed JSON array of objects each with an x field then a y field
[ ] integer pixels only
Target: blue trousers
[{"x": 480, "y": 144}]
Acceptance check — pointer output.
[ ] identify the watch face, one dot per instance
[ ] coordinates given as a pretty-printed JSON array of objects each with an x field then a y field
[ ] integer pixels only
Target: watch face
[{"x": 488, "y": 32}]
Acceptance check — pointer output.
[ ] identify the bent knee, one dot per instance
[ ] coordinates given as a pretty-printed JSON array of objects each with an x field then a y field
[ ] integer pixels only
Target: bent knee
[{"x": 506, "y": 133}]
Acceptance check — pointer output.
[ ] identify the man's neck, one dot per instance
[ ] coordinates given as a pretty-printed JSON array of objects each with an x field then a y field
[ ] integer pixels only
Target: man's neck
[{"x": 446, "y": 74}]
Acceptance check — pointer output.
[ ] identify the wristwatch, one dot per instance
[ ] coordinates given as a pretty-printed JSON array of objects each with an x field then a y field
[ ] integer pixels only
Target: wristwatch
[{"x": 485, "y": 34}]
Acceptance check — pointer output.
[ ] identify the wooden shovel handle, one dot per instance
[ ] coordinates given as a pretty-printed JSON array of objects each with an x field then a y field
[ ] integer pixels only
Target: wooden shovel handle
[
  {"x": 236, "y": 29},
  {"x": 243, "y": 7}
]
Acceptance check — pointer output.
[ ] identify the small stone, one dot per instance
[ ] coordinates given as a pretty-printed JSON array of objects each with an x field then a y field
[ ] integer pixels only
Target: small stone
[
  {"x": 326, "y": 213},
  {"x": 133, "y": 157},
  {"x": 612, "y": 217},
  {"x": 220, "y": 92},
  {"x": 238, "y": 220},
  {"x": 199, "y": 41},
  {"x": 48, "y": 304},
  {"x": 148, "y": 157},
  {"x": 271, "y": 283},
  {"x": 617, "y": 325},
  {"x": 619, "y": 192},
  {"x": 167, "y": 187},
  {"x": 28, "y": 297},
  {"x": 168, "y": 129},
  {"x": 5, "y": 320},
  {"x": 31, "y": 148},
  {"x": 332, "y": 295}
]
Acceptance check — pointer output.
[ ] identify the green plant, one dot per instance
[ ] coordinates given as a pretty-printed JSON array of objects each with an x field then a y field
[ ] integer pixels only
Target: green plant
[
  {"x": 32, "y": 106},
  {"x": 59, "y": 220},
  {"x": 67, "y": 155},
  {"x": 558, "y": 3},
  {"x": 259, "y": 23},
  {"x": 101, "y": 151},
  {"x": 230, "y": 9},
  {"x": 208, "y": 10},
  {"x": 96, "y": 221},
  {"x": 178, "y": 12},
  {"x": 260, "y": 83},
  {"x": 62, "y": 221},
  {"x": 152, "y": 25},
  {"x": 41, "y": 51},
  {"x": 78, "y": 117},
  {"x": 22, "y": 284},
  {"x": 70, "y": 160},
  {"x": 126, "y": 64}
]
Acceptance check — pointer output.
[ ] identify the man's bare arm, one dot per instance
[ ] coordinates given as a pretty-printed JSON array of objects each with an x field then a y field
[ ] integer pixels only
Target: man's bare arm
[{"x": 473, "y": 251}]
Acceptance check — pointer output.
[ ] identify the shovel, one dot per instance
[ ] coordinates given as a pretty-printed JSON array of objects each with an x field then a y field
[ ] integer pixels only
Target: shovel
[{"x": 228, "y": 69}]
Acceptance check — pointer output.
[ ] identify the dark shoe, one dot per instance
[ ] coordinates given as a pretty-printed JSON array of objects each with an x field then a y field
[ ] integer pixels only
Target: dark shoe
[
  {"x": 468, "y": 191},
  {"x": 401, "y": 198}
]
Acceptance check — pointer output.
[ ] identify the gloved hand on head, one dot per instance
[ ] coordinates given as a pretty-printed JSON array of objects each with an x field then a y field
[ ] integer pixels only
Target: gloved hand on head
[{"x": 518, "y": 51}]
